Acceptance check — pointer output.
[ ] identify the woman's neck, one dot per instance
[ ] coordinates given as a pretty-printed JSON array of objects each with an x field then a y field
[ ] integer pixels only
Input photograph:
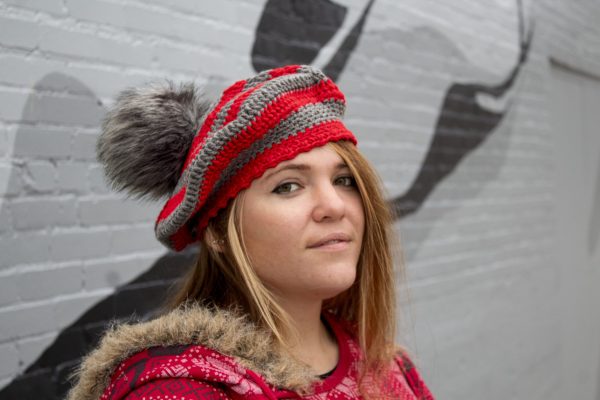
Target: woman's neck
[{"x": 314, "y": 344}]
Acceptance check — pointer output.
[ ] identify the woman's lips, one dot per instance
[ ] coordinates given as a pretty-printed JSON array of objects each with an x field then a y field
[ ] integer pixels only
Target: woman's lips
[
  {"x": 332, "y": 241},
  {"x": 333, "y": 245}
]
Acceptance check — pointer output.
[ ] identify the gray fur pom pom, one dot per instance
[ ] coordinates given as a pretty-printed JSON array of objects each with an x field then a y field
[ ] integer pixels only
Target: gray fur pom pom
[{"x": 146, "y": 136}]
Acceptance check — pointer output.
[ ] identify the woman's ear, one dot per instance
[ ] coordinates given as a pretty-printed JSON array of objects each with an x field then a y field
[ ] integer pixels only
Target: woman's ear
[{"x": 215, "y": 243}]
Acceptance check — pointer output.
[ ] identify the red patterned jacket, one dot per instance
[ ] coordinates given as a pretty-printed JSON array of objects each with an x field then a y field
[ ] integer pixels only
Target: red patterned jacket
[{"x": 201, "y": 354}]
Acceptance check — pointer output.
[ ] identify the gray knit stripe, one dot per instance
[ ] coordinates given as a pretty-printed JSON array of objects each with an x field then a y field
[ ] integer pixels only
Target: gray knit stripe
[
  {"x": 222, "y": 115},
  {"x": 261, "y": 77},
  {"x": 307, "y": 69},
  {"x": 250, "y": 110},
  {"x": 220, "y": 119},
  {"x": 305, "y": 117}
]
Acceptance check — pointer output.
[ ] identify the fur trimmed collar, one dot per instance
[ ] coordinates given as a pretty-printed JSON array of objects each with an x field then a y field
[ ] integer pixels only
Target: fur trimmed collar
[{"x": 220, "y": 330}]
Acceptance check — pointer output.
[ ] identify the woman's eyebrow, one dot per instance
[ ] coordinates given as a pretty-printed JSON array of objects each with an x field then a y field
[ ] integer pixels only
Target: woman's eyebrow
[{"x": 300, "y": 167}]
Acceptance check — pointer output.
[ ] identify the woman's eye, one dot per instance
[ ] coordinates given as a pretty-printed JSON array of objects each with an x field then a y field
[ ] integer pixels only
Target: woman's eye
[
  {"x": 287, "y": 187},
  {"x": 345, "y": 181}
]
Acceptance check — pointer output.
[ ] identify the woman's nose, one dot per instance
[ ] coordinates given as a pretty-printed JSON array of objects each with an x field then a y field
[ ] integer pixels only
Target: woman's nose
[{"x": 328, "y": 202}]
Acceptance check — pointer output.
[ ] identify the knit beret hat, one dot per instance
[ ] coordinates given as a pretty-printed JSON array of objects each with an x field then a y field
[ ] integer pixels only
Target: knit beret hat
[{"x": 161, "y": 141}]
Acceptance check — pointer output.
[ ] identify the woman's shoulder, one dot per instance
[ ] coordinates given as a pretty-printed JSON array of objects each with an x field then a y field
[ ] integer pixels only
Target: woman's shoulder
[
  {"x": 411, "y": 375},
  {"x": 180, "y": 371},
  {"x": 141, "y": 345},
  {"x": 191, "y": 345}
]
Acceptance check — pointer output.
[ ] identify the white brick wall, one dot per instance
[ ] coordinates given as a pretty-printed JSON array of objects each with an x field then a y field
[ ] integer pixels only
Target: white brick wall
[{"x": 484, "y": 279}]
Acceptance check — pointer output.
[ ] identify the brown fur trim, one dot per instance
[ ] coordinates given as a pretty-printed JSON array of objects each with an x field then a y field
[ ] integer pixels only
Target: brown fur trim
[{"x": 223, "y": 331}]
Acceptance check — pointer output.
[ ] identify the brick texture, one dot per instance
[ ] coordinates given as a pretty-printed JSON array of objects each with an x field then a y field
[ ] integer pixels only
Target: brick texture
[{"x": 491, "y": 309}]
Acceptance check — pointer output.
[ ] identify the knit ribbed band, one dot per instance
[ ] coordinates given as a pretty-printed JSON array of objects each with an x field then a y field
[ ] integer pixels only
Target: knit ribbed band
[{"x": 257, "y": 123}]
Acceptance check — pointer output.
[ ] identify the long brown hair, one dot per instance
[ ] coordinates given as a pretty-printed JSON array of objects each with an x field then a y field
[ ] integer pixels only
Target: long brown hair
[{"x": 223, "y": 275}]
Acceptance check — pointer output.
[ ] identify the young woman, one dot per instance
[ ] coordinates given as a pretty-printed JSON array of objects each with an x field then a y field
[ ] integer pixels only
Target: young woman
[{"x": 292, "y": 295}]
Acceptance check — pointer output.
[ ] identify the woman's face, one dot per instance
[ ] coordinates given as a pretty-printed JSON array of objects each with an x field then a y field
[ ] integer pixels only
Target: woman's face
[{"x": 303, "y": 224}]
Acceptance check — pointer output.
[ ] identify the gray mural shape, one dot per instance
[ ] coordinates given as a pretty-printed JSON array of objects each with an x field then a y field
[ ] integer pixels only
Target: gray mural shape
[
  {"x": 142, "y": 296},
  {"x": 462, "y": 124}
]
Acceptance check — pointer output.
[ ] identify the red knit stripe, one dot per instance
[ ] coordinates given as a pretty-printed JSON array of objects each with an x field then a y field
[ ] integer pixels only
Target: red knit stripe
[
  {"x": 270, "y": 116},
  {"x": 232, "y": 91},
  {"x": 227, "y": 95},
  {"x": 316, "y": 136},
  {"x": 171, "y": 204},
  {"x": 289, "y": 69},
  {"x": 235, "y": 107},
  {"x": 182, "y": 238}
]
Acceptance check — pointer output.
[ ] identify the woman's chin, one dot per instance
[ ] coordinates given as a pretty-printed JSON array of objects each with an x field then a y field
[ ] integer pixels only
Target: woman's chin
[{"x": 332, "y": 289}]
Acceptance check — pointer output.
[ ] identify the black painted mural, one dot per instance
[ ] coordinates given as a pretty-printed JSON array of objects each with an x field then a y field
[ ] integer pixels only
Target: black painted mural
[
  {"x": 294, "y": 32},
  {"x": 462, "y": 126},
  {"x": 289, "y": 31}
]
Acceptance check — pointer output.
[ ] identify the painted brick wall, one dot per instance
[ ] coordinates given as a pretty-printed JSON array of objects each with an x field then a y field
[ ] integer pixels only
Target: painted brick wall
[{"x": 486, "y": 311}]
